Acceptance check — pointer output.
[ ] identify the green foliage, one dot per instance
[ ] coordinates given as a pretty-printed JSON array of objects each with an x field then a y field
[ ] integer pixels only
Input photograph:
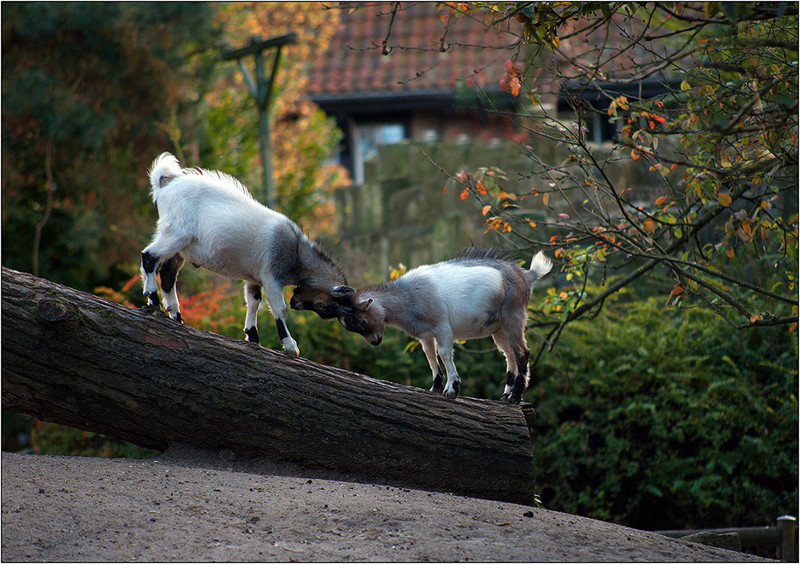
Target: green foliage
[{"x": 657, "y": 420}]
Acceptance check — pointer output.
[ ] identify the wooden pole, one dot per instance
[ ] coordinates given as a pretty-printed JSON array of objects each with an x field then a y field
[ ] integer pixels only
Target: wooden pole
[{"x": 262, "y": 90}]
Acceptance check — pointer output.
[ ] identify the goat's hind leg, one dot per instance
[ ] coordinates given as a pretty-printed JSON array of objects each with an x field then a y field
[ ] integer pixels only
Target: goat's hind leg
[
  {"x": 169, "y": 288},
  {"x": 153, "y": 257},
  {"x": 513, "y": 367},
  {"x": 252, "y": 298},
  {"x": 149, "y": 269},
  {"x": 523, "y": 355},
  {"x": 517, "y": 355}
]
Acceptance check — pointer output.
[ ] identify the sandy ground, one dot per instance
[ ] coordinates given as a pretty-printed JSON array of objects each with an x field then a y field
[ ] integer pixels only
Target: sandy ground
[{"x": 190, "y": 505}]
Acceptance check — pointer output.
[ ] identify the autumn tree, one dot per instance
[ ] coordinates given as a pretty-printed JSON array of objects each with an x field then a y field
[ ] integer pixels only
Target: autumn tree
[
  {"x": 717, "y": 227},
  {"x": 303, "y": 137}
]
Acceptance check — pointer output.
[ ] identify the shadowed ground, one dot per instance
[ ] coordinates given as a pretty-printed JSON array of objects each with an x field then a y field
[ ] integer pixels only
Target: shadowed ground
[{"x": 194, "y": 505}]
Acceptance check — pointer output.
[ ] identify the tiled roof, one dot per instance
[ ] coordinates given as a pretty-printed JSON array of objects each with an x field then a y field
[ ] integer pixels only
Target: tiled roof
[{"x": 354, "y": 67}]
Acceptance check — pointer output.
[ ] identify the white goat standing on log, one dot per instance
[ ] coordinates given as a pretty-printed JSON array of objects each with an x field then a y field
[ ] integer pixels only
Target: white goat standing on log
[
  {"x": 210, "y": 219},
  {"x": 480, "y": 292}
]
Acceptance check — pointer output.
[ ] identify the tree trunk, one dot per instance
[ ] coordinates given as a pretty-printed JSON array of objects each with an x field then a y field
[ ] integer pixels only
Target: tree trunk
[{"x": 76, "y": 359}]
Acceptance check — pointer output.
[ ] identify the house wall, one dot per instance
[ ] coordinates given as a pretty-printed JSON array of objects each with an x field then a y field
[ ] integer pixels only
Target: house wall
[{"x": 403, "y": 214}]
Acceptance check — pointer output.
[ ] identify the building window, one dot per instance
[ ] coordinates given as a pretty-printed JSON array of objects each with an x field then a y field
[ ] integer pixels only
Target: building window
[
  {"x": 600, "y": 130},
  {"x": 366, "y": 138}
]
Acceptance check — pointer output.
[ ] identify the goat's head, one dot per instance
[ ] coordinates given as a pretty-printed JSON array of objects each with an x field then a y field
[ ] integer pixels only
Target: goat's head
[
  {"x": 327, "y": 303},
  {"x": 365, "y": 318}
]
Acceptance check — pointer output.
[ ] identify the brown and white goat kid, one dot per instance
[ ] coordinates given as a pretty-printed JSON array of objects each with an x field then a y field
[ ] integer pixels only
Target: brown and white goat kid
[
  {"x": 210, "y": 219},
  {"x": 478, "y": 293}
]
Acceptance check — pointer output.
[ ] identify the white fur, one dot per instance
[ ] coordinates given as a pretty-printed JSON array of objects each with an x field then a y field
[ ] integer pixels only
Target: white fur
[
  {"x": 464, "y": 292},
  {"x": 212, "y": 220},
  {"x": 540, "y": 265},
  {"x": 455, "y": 300}
]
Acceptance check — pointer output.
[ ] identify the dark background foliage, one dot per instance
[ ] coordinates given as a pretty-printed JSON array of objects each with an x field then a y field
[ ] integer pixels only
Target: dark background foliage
[{"x": 87, "y": 89}]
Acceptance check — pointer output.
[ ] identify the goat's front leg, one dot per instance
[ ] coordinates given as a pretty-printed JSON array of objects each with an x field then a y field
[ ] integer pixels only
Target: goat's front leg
[
  {"x": 429, "y": 348},
  {"x": 274, "y": 293},
  {"x": 453, "y": 385}
]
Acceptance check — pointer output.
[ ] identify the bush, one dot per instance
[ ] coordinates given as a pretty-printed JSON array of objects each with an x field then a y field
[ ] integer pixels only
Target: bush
[{"x": 659, "y": 420}]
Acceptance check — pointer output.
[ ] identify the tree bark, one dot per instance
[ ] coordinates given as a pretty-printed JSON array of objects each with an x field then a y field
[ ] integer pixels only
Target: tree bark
[{"x": 70, "y": 357}]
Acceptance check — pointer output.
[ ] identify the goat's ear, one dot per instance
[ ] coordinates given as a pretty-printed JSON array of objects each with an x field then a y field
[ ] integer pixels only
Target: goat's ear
[
  {"x": 341, "y": 291},
  {"x": 363, "y": 305},
  {"x": 343, "y": 310}
]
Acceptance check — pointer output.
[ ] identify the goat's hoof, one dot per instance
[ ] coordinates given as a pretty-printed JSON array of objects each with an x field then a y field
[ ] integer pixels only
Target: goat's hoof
[
  {"x": 514, "y": 400},
  {"x": 452, "y": 391},
  {"x": 504, "y": 398},
  {"x": 437, "y": 389},
  {"x": 290, "y": 346},
  {"x": 251, "y": 335}
]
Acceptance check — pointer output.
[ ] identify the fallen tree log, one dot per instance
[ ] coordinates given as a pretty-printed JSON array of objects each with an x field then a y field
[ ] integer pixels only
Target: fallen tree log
[{"x": 73, "y": 358}]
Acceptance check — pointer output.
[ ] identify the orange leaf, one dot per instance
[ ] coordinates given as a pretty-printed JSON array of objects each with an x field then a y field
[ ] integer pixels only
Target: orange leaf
[
  {"x": 677, "y": 290},
  {"x": 546, "y": 198},
  {"x": 661, "y": 200},
  {"x": 486, "y": 209},
  {"x": 635, "y": 154},
  {"x": 724, "y": 199},
  {"x": 464, "y": 194}
]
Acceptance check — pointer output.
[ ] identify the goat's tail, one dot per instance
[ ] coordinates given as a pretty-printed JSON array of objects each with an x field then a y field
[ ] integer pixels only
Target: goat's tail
[
  {"x": 540, "y": 265},
  {"x": 163, "y": 170}
]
